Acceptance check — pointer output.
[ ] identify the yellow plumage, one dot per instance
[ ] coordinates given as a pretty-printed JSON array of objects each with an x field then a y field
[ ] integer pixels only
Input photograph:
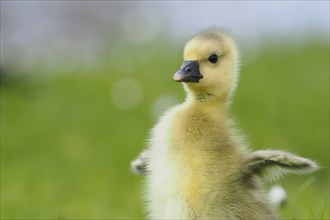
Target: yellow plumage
[{"x": 196, "y": 165}]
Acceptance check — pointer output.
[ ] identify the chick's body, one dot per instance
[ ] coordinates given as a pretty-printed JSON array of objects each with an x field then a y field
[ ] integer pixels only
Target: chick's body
[{"x": 194, "y": 167}]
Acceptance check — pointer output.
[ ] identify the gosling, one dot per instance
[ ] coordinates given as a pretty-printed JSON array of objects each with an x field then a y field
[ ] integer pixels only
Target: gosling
[{"x": 196, "y": 165}]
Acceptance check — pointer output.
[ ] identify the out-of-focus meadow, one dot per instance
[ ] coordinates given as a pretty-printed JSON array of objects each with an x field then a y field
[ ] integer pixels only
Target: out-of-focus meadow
[{"x": 68, "y": 137}]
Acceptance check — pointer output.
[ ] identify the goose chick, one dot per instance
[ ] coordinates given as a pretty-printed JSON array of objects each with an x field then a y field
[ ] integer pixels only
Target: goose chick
[{"x": 196, "y": 166}]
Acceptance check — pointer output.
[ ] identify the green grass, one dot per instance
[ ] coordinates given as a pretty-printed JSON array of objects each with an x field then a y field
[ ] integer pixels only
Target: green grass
[{"x": 66, "y": 147}]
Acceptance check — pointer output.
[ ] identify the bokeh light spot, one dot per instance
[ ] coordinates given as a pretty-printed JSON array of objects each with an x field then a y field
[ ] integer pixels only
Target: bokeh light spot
[{"x": 126, "y": 94}]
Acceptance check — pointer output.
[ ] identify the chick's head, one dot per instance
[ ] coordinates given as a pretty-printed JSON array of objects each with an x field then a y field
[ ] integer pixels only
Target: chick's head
[{"x": 210, "y": 64}]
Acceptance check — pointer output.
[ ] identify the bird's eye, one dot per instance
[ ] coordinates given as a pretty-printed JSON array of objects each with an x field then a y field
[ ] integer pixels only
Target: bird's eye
[{"x": 213, "y": 58}]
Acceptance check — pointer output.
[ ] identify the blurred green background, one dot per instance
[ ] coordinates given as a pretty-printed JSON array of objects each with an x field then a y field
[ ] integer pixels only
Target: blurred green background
[{"x": 69, "y": 133}]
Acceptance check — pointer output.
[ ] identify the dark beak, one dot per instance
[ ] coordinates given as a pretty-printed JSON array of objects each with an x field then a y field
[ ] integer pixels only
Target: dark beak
[{"x": 188, "y": 72}]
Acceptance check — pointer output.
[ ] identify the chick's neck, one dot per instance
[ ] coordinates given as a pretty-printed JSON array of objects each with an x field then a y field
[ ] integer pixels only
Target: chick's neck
[{"x": 208, "y": 101}]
